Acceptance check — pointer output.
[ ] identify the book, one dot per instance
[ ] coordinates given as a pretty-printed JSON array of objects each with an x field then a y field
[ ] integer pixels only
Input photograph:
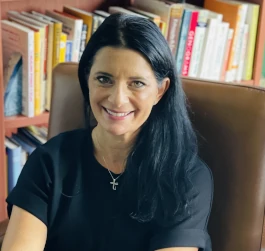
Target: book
[
  {"x": 13, "y": 85},
  {"x": 199, "y": 38},
  {"x": 17, "y": 38},
  {"x": 14, "y": 166},
  {"x": 234, "y": 14},
  {"x": 49, "y": 50},
  {"x": 39, "y": 37},
  {"x": 57, "y": 30},
  {"x": 72, "y": 26},
  {"x": 170, "y": 13},
  {"x": 86, "y": 16},
  {"x": 189, "y": 42}
]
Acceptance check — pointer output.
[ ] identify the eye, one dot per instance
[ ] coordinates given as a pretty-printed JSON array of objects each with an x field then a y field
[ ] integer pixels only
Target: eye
[
  {"x": 104, "y": 80},
  {"x": 138, "y": 84}
]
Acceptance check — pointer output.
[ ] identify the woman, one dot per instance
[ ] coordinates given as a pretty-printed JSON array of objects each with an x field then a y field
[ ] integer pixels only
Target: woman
[{"x": 134, "y": 182}]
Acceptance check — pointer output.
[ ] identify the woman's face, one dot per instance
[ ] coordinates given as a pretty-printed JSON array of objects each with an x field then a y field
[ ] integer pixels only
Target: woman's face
[{"x": 122, "y": 90}]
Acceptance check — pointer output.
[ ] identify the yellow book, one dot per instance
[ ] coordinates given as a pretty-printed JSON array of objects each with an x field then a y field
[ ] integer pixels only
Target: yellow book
[
  {"x": 63, "y": 47},
  {"x": 163, "y": 28},
  {"x": 86, "y": 16},
  {"x": 252, "y": 20},
  {"x": 57, "y": 30},
  {"x": 46, "y": 91},
  {"x": 37, "y": 71}
]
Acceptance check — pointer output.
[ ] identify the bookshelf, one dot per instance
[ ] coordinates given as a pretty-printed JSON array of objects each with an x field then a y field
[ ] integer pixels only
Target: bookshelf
[{"x": 10, "y": 124}]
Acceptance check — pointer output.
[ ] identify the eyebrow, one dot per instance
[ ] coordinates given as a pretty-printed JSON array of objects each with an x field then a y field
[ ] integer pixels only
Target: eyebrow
[
  {"x": 103, "y": 73},
  {"x": 109, "y": 75}
]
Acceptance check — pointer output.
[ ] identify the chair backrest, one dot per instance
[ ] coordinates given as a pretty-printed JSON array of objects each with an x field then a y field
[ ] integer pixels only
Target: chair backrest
[{"x": 229, "y": 120}]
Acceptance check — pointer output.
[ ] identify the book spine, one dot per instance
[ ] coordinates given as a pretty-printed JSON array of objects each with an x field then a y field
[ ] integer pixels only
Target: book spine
[
  {"x": 77, "y": 40},
  {"x": 182, "y": 39},
  {"x": 232, "y": 64},
  {"x": 189, "y": 43},
  {"x": 49, "y": 68},
  {"x": 242, "y": 57},
  {"x": 37, "y": 75},
  {"x": 198, "y": 43},
  {"x": 83, "y": 40},
  {"x": 56, "y": 43},
  {"x": 226, "y": 55},
  {"x": 68, "y": 52},
  {"x": 63, "y": 47},
  {"x": 238, "y": 44},
  {"x": 208, "y": 47},
  {"x": 174, "y": 28},
  {"x": 28, "y": 107},
  {"x": 253, "y": 17},
  {"x": 221, "y": 39}
]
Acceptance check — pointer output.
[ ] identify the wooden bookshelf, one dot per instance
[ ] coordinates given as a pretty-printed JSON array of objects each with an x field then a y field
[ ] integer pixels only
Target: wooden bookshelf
[
  {"x": 22, "y": 121},
  {"x": 12, "y": 123}
]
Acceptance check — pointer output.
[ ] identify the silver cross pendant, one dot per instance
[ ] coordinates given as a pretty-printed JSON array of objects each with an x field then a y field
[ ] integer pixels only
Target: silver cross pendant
[{"x": 114, "y": 184}]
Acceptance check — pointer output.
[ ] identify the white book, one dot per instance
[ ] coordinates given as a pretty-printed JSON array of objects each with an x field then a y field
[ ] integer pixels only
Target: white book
[
  {"x": 209, "y": 44},
  {"x": 30, "y": 23},
  {"x": 242, "y": 57},
  {"x": 243, "y": 16},
  {"x": 221, "y": 40},
  {"x": 17, "y": 38},
  {"x": 73, "y": 28},
  {"x": 199, "y": 38}
]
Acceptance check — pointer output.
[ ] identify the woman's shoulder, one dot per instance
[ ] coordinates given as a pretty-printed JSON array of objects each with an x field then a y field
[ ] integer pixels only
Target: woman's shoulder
[
  {"x": 67, "y": 141},
  {"x": 201, "y": 173}
]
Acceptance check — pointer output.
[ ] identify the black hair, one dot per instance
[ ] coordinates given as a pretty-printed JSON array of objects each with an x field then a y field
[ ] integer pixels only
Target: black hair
[{"x": 165, "y": 151}]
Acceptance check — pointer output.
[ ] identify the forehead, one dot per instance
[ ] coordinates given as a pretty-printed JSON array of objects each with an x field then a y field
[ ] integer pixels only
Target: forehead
[{"x": 121, "y": 60}]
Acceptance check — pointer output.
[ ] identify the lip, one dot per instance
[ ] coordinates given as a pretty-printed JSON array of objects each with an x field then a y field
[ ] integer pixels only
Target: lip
[
  {"x": 112, "y": 117},
  {"x": 116, "y": 111}
]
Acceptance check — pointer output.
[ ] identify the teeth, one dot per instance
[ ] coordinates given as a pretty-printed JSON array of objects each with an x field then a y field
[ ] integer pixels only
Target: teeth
[{"x": 117, "y": 114}]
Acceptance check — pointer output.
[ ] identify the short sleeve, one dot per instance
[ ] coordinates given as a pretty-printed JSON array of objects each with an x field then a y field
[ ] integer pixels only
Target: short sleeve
[
  {"x": 32, "y": 190},
  {"x": 191, "y": 231}
]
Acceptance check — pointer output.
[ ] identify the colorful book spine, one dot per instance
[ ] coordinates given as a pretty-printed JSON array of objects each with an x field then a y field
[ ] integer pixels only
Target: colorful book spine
[
  {"x": 198, "y": 43},
  {"x": 183, "y": 38},
  {"x": 189, "y": 43},
  {"x": 252, "y": 21},
  {"x": 174, "y": 28}
]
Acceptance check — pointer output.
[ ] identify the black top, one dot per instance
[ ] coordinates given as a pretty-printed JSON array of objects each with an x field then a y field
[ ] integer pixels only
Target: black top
[{"x": 88, "y": 217}]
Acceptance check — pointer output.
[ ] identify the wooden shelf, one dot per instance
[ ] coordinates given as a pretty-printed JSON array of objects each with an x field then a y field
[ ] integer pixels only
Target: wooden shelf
[{"x": 22, "y": 121}]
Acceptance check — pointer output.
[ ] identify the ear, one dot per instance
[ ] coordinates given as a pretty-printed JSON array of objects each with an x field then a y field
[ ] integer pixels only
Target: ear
[{"x": 162, "y": 88}]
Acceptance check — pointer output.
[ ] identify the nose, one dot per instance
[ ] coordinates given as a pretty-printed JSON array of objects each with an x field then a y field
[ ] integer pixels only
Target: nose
[{"x": 118, "y": 95}]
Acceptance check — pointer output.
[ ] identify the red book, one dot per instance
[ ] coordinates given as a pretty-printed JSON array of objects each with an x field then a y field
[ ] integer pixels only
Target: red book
[{"x": 189, "y": 43}]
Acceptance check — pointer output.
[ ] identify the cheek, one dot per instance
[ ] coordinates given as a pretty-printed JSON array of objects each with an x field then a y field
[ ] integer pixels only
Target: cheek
[{"x": 147, "y": 99}]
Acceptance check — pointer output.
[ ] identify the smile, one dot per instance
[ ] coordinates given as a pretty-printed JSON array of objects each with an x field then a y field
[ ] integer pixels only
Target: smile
[{"x": 117, "y": 114}]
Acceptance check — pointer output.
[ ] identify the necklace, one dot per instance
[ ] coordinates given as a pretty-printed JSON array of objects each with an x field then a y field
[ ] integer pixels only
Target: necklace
[{"x": 113, "y": 182}]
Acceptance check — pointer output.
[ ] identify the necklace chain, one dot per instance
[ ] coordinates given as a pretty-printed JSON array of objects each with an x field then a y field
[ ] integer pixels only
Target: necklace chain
[{"x": 113, "y": 183}]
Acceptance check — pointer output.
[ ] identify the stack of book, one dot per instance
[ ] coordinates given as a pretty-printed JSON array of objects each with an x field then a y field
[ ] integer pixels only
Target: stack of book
[
  {"x": 216, "y": 42},
  {"x": 18, "y": 147}
]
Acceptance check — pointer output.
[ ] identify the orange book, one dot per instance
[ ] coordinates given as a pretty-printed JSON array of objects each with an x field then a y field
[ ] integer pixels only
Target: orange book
[{"x": 231, "y": 14}]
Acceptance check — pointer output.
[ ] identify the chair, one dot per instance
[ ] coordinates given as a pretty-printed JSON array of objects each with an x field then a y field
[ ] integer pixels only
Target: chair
[{"x": 229, "y": 120}]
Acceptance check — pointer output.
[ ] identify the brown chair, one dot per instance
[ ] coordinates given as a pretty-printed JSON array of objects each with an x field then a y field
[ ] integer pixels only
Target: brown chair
[{"x": 229, "y": 120}]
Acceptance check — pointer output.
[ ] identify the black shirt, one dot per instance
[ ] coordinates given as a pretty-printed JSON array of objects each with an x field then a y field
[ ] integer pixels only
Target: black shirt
[{"x": 64, "y": 186}]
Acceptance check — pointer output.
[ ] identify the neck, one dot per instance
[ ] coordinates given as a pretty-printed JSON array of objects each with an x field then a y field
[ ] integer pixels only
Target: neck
[{"x": 111, "y": 151}]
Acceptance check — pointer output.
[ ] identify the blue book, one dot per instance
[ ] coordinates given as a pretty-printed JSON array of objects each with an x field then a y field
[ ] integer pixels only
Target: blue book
[
  {"x": 183, "y": 38},
  {"x": 28, "y": 146},
  {"x": 68, "y": 51},
  {"x": 14, "y": 166}
]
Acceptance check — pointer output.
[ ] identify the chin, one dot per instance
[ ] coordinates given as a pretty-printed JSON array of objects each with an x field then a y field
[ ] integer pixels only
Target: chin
[{"x": 117, "y": 131}]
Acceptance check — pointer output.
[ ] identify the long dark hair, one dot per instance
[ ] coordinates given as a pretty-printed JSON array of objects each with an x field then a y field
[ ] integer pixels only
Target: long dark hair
[{"x": 165, "y": 151}]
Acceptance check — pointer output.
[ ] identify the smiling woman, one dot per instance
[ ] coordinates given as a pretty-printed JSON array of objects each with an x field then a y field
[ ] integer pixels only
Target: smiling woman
[{"x": 134, "y": 181}]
